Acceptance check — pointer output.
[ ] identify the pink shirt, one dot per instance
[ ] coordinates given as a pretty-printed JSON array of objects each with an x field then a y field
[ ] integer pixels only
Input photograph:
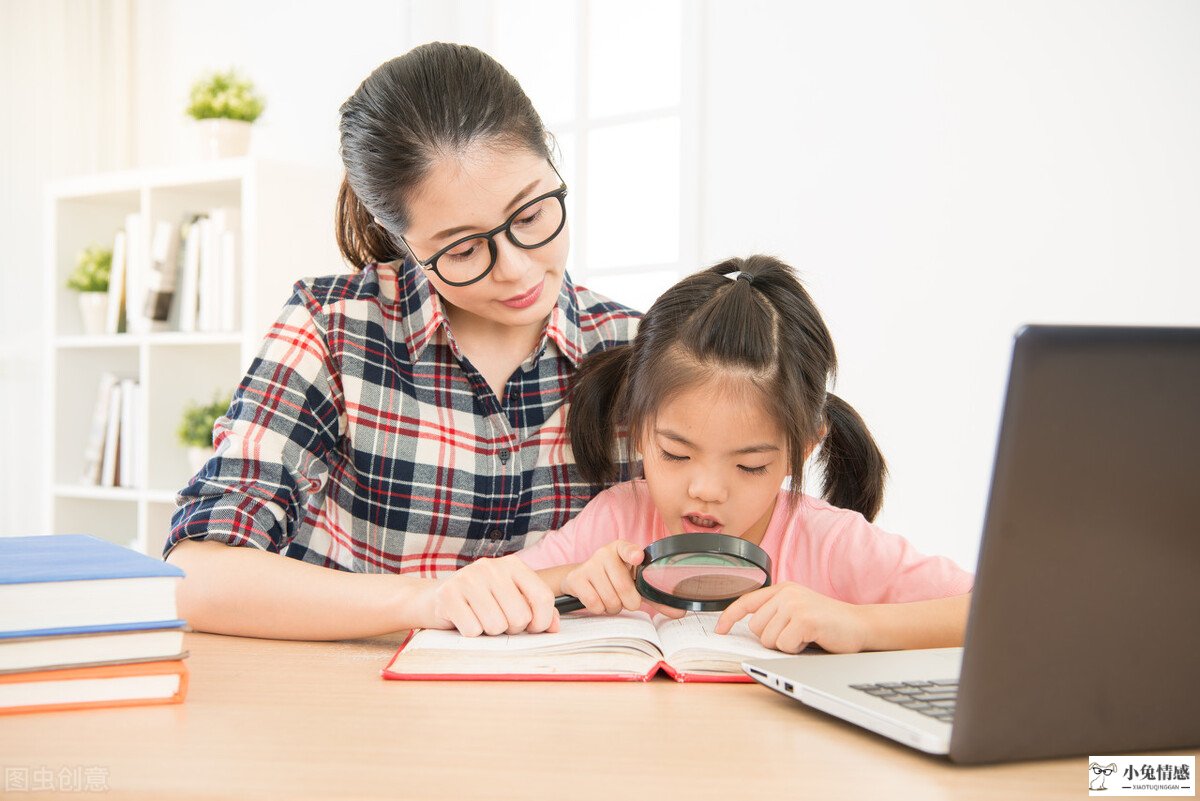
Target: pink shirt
[{"x": 833, "y": 551}]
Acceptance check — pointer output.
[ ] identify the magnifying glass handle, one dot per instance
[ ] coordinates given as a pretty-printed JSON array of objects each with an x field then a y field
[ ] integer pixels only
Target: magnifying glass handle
[{"x": 567, "y": 603}]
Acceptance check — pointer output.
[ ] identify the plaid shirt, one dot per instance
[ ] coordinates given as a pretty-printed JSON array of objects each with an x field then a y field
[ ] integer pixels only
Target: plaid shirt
[{"x": 362, "y": 439}]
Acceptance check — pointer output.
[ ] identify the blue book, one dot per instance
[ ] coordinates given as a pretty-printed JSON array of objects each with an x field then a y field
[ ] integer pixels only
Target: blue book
[{"x": 74, "y": 584}]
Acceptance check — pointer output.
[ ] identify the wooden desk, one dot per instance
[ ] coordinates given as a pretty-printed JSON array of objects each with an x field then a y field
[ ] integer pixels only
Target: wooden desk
[{"x": 313, "y": 720}]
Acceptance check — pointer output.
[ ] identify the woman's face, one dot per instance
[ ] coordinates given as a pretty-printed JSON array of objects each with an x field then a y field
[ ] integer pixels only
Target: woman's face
[{"x": 474, "y": 192}]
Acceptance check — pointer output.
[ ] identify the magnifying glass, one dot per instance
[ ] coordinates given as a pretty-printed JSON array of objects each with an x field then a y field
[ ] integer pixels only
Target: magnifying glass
[{"x": 696, "y": 572}]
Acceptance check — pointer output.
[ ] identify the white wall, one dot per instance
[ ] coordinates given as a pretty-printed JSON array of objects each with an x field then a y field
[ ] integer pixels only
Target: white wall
[
  {"x": 942, "y": 172},
  {"x": 64, "y": 74},
  {"x": 305, "y": 57}
]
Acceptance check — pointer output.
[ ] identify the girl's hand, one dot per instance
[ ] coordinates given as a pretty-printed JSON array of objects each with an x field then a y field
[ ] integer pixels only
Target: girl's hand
[
  {"x": 492, "y": 596},
  {"x": 604, "y": 583},
  {"x": 788, "y": 616}
]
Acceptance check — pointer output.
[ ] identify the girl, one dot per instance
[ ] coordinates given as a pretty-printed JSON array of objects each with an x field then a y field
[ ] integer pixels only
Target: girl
[
  {"x": 404, "y": 421},
  {"x": 723, "y": 393}
]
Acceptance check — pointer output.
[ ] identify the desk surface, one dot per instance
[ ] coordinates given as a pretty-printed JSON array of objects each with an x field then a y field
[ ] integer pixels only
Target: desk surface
[{"x": 308, "y": 720}]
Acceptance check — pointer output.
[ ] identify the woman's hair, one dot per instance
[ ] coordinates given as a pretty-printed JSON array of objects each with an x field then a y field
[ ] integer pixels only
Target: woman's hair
[
  {"x": 706, "y": 330},
  {"x": 436, "y": 100}
]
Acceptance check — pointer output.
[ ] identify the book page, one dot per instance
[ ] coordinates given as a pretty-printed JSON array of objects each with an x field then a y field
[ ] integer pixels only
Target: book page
[
  {"x": 624, "y": 645},
  {"x": 690, "y": 643},
  {"x": 573, "y": 631}
]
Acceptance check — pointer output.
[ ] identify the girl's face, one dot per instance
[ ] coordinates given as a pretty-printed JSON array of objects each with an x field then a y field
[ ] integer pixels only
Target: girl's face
[
  {"x": 472, "y": 193},
  {"x": 715, "y": 464}
]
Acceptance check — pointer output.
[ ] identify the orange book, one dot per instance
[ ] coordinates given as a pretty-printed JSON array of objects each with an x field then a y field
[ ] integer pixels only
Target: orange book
[
  {"x": 630, "y": 646},
  {"x": 102, "y": 686}
]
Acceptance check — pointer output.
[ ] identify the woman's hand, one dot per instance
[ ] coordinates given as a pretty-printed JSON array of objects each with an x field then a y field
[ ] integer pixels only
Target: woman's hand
[
  {"x": 492, "y": 596},
  {"x": 788, "y": 616}
]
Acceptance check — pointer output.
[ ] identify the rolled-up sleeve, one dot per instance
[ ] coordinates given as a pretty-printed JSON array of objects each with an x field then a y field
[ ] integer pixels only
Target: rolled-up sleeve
[{"x": 271, "y": 447}]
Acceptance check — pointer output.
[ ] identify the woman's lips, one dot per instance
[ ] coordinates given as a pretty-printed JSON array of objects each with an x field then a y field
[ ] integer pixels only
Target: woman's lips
[{"x": 526, "y": 299}]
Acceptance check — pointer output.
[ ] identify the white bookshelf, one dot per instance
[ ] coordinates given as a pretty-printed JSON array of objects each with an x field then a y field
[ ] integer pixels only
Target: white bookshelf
[{"x": 286, "y": 232}]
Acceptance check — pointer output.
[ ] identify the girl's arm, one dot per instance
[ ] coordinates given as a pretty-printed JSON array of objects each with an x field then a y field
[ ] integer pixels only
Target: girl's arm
[
  {"x": 247, "y": 592},
  {"x": 918, "y": 624},
  {"x": 789, "y": 616}
]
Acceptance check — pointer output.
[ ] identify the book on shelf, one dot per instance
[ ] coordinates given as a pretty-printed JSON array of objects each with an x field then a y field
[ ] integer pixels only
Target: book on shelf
[
  {"x": 74, "y": 583},
  {"x": 630, "y": 646},
  {"x": 136, "y": 269},
  {"x": 114, "y": 320},
  {"x": 217, "y": 283},
  {"x": 161, "y": 275},
  {"x": 93, "y": 452},
  {"x": 110, "y": 453},
  {"x": 127, "y": 449},
  {"x": 189, "y": 273},
  {"x": 88, "y": 647},
  {"x": 132, "y": 684}
]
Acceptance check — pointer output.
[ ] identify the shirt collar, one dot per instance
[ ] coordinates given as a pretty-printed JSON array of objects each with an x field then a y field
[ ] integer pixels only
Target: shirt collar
[{"x": 422, "y": 315}]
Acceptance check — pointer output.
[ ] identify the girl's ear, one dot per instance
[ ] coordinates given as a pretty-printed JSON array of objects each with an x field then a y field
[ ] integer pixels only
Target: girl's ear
[{"x": 812, "y": 446}]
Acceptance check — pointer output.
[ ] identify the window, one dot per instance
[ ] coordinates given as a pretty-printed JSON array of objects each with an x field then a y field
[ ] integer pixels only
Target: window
[{"x": 610, "y": 79}]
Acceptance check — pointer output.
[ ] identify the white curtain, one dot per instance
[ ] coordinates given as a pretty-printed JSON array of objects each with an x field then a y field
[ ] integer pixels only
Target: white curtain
[{"x": 65, "y": 93}]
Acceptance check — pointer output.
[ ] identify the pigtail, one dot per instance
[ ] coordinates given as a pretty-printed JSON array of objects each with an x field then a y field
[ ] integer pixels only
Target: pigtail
[
  {"x": 853, "y": 465},
  {"x": 594, "y": 418},
  {"x": 360, "y": 239}
]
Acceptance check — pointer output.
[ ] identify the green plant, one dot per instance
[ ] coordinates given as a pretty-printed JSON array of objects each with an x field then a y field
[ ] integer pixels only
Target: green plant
[
  {"x": 93, "y": 266},
  {"x": 196, "y": 427},
  {"x": 225, "y": 95}
]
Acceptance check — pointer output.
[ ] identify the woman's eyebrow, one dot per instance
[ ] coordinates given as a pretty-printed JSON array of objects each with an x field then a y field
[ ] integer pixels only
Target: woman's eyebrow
[{"x": 512, "y": 204}]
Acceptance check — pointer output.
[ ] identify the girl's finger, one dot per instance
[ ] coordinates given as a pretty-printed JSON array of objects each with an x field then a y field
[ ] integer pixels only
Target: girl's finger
[{"x": 617, "y": 573}]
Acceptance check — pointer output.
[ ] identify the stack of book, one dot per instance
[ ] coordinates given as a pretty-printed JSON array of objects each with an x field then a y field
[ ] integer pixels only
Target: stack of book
[
  {"x": 111, "y": 456},
  {"x": 176, "y": 276},
  {"x": 87, "y": 623}
]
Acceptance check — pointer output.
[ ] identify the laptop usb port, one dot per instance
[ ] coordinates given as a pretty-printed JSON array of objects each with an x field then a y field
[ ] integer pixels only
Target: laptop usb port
[{"x": 787, "y": 686}]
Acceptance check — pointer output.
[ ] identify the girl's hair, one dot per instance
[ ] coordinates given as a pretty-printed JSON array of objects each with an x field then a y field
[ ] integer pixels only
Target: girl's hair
[
  {"x": 436, "y": 100},
  {"x": 708, "y": 329}
]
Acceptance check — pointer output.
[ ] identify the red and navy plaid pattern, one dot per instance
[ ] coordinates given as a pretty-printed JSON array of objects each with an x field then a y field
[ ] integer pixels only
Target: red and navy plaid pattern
[{"x": 362, "y": 439}]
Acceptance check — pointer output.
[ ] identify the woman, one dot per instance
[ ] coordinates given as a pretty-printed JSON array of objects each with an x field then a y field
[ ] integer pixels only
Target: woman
[{"x": 401, "y": 423}]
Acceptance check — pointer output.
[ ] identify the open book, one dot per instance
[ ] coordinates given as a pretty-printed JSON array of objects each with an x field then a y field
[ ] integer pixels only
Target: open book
[{"x": 630, "y": 646}]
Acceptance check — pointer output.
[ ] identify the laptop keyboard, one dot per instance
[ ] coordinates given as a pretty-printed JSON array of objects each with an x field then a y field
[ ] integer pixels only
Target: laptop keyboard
[{"x": 933, "y": 698}]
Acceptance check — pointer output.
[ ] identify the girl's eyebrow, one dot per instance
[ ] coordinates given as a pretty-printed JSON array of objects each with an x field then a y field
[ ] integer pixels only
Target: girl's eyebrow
[
  {"x": 762, "y": 447},
  {"x": 512, "y": 204}
]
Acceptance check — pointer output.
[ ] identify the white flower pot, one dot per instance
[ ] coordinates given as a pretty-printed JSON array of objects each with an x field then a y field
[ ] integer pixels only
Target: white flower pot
[
  {"x": 222, "y": 138},
  {"x": 197, "y": 456},
  {"x": 93, "y": 310}
]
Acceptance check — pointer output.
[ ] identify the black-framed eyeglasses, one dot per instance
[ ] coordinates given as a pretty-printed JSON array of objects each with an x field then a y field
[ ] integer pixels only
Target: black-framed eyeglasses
[{"x": 470, "y": 259}]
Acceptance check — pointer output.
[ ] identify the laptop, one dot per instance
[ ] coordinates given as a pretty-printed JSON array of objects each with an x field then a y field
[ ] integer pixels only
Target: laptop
[{"x": 1084, "y": 628}]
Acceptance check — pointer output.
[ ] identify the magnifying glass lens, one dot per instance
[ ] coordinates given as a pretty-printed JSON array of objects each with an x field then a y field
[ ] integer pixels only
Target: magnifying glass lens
[
  {"x": 697, "y": 572},
  {"x": 703, "y": 577}
]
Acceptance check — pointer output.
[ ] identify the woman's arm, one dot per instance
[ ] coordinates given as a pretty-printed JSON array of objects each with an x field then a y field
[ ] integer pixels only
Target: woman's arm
[{"x": 253, "y": 593}]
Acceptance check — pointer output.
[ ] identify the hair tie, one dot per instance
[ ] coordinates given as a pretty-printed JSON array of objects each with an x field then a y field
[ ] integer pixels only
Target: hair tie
[{"x": 738, "y": 275}]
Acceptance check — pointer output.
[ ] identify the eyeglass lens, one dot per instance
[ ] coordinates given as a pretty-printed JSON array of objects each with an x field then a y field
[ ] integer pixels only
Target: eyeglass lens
[{"x": 532, "y": 226}]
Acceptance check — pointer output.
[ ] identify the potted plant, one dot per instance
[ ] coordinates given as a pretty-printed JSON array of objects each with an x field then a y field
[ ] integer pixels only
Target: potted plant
[
  {"x": 93, "y": 267},
  {"x": 224, "y": 105},
  {"x": 195, "y": 430}
]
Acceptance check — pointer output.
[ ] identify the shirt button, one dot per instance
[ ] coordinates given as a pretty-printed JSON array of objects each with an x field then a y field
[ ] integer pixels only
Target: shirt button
[
  {"x": 504, "y": 455},
  {"x": 495, "y": 534}
]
